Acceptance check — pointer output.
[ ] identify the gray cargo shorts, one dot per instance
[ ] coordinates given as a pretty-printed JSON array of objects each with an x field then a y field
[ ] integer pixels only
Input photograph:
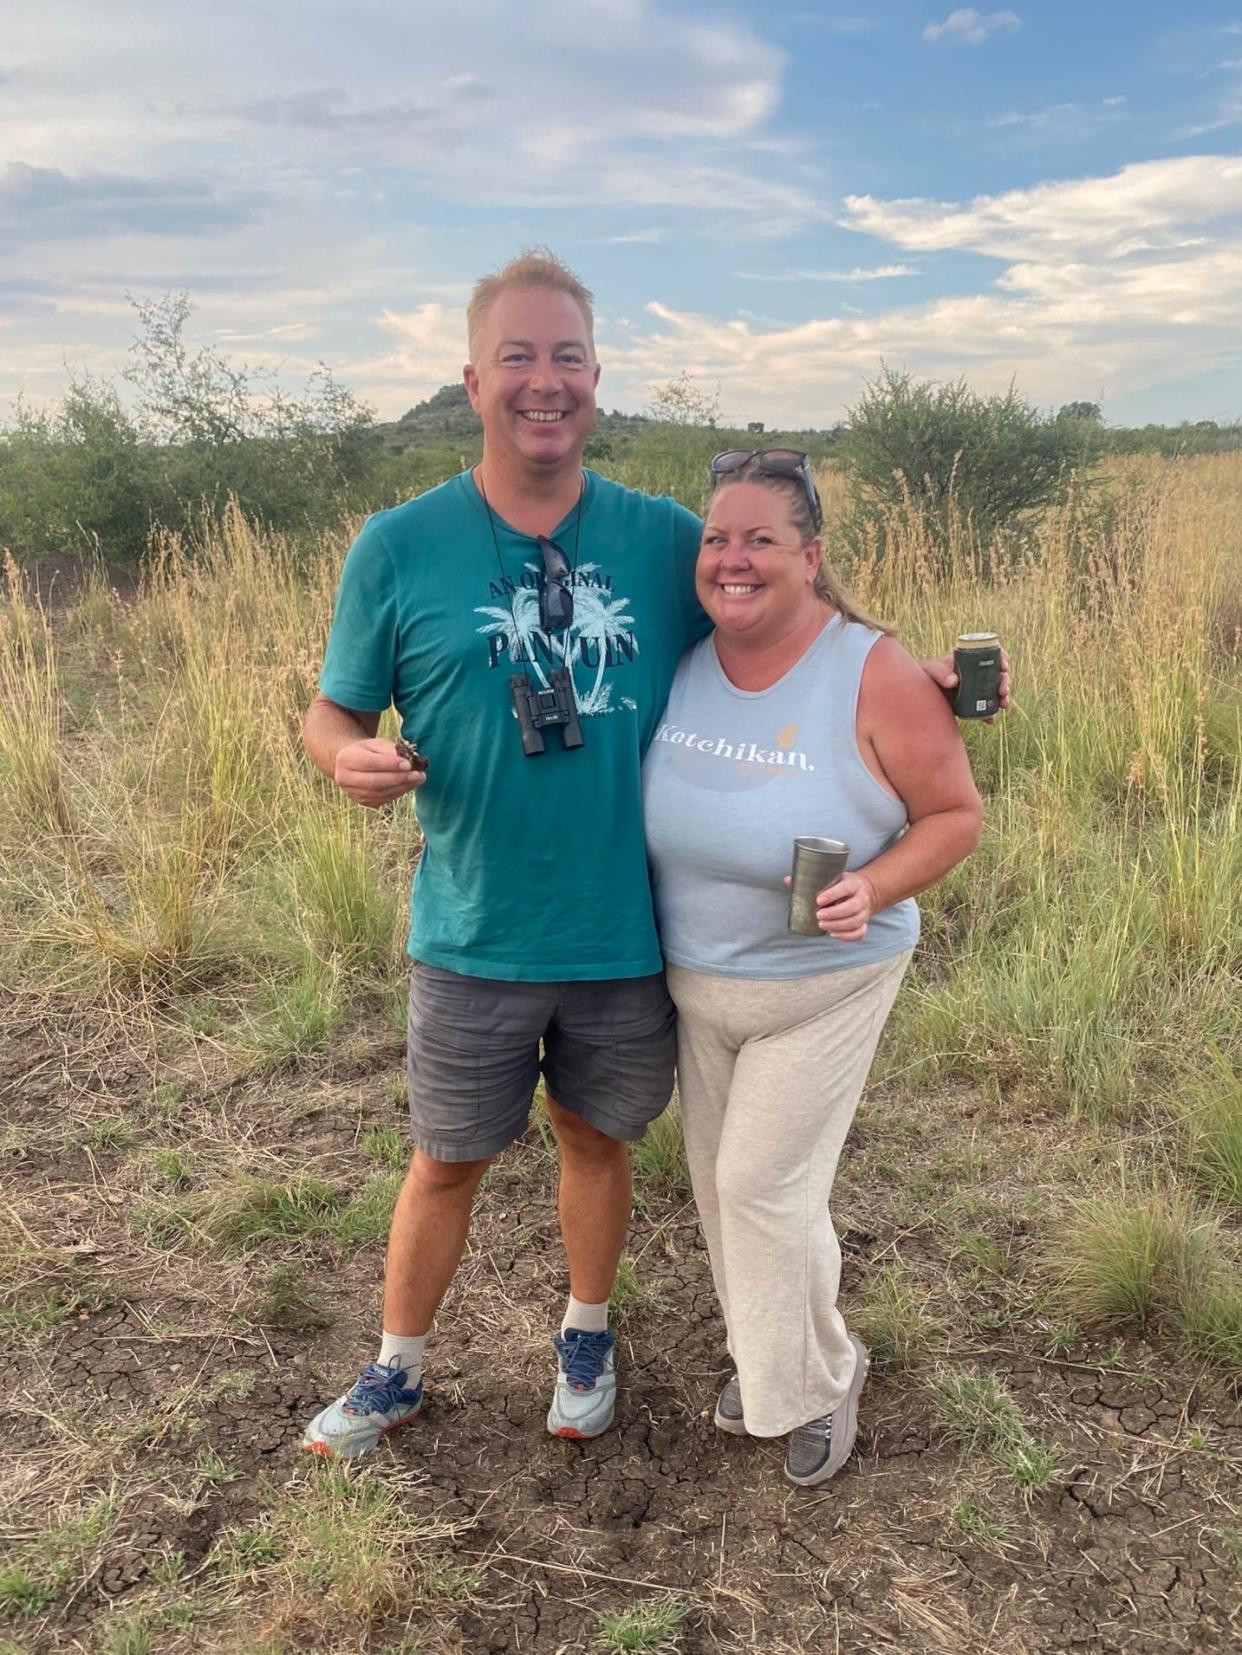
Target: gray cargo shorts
[{"x": 476, "y": 1046}]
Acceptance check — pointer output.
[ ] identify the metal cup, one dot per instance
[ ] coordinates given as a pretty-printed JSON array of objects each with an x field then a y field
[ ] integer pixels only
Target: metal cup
[{"x": 817, "y": 863}]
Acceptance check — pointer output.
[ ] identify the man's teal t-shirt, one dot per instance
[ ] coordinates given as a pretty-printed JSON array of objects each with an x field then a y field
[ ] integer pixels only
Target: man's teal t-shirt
[{"x": 533, "y": 868}]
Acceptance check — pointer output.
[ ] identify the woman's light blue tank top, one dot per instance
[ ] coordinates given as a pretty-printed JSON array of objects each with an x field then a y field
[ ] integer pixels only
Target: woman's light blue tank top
[{"x": 732, "y": 778}]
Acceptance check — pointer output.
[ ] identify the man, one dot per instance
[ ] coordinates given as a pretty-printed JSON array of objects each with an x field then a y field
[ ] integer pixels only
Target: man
[{"x": 525, "y": 587}]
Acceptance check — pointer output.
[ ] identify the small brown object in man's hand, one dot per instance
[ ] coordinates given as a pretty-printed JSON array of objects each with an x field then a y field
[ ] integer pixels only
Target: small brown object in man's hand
[{"x": 405, "y": 751}]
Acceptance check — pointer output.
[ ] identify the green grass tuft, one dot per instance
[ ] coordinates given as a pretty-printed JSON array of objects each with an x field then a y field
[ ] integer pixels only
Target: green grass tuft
[
  {"x": 1210, "y": 1321},
  {"x": 24, "y": 1593},
  {"x": 347, "y": 906},
  {"x": 630, "y": 1294},
  {"x": 299, "y": 1016},
  {"x": 387, "y": 1146},
  {"x": 112, "y": 1132},
  {"x": 977, "y": 1411},
  {"x": 894, "y": 1320},
  {"x": 649, "y": 1627},
  {"x": 659, "y": 1157},
  {"x": 1209, "y": 1107},
  {"x": 973, "y": 1519},
  {"x": 241, "y": 1213},
  {"x": 284, "y": 1303},
  {"x": 1131, "y": 1258},
  {"x": 366, "y": 1218}
]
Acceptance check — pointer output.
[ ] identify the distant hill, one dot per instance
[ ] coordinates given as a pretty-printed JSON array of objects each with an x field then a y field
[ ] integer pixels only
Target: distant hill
[{"x": 446, "y": 420}]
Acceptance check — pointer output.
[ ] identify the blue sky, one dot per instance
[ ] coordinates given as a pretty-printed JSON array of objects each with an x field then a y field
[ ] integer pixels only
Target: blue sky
[{"x": 773, "y": 200}]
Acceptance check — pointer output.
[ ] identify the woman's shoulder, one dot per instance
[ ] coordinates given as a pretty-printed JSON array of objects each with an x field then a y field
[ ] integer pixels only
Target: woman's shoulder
[{"x": 895, "y": 688}]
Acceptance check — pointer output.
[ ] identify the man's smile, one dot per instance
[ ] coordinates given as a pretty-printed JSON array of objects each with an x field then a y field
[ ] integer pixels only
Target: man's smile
[{"x": 542, "y": 416}]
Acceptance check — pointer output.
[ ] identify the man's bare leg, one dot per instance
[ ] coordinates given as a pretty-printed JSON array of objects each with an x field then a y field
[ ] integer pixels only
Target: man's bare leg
[
  {"x": 426, "y": 1239},
  {"x": 594, "y": 1206},
  {"x": 593, "y": 1203}
]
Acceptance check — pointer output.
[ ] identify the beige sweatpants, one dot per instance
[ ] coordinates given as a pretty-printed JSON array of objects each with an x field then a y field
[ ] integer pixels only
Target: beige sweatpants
[{"x": 770, "y": 1073}]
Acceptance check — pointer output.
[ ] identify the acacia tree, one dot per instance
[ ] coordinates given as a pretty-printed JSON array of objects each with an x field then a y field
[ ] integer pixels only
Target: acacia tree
[
  {"x": 958, "y": 457},
  {"x": 683, "y": 402}
]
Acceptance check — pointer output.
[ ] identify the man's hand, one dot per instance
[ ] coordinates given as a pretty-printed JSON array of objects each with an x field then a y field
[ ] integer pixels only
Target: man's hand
[
  {"x": 372, "y": 773},
  {"x": 941, "y": 671}
]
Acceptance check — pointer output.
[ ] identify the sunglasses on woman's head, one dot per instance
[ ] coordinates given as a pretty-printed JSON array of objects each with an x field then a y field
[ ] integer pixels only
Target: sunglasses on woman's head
[
  {"x": 773, "y": 462},
  {"x": 556, "y": 598}
]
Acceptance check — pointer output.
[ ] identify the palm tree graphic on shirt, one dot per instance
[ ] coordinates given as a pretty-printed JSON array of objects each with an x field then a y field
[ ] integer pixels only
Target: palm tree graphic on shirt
[{"x": 598, "y": 617}]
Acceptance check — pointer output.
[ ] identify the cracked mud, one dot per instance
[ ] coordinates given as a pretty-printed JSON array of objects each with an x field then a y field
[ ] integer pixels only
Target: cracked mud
[{"x": 163, "y": 1382}]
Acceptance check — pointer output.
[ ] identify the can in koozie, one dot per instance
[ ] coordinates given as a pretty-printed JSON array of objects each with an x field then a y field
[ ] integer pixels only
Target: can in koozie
[{"x": 977, "y": 659}]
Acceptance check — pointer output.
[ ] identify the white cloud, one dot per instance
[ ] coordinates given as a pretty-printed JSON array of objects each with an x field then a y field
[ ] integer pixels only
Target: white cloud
[
  {"x": 1228, "y": 107},
  {"x": 1104, "y": 284},
  {"x": 1149, "y": 197},
  {"x": 1231, "y": 115},
  {"x": 626, "y": 80},
  {"x": 971, "y": 28},
  {"x": 880, "y": 273},
  {"x": 298, "y": 148},
  {"x": 1063, "y": 122},
  {"x": 293, "y": 333},
  {"x": 429, "y": 350}
]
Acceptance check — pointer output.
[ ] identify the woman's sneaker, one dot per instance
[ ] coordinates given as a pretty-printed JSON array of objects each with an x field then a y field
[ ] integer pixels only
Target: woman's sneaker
[
  {"x": 818, "y": 1449},
  {"x": 585, "y": 1398},
  {"x": 729, "y": 1416},
  {"x": 363, "y": 1417}
]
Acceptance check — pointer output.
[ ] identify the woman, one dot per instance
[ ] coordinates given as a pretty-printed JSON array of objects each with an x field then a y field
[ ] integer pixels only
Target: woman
[{"x": 797, "y": 715}]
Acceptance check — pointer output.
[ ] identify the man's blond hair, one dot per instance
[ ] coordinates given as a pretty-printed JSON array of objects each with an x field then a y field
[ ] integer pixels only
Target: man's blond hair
[{"x": 533, "y": 267}]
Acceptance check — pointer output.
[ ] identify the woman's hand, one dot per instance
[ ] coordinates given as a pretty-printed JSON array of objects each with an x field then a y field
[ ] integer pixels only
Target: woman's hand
[{"x": 844, "y": 910}]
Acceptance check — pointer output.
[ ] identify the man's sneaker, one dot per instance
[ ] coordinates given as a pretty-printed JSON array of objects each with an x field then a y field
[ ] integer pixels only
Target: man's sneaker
[
  {"x": 818, "y": 1449},
  {"x": 729, "y": 1415},
  {"x": 586, "y": 1387},
  {"x": 356, "y": 1422}
]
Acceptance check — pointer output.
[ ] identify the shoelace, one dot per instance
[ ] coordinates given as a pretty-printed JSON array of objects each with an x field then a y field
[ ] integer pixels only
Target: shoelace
[
  {"x": 380, "y": 1387},
  {"x": 583, "y": 1356}
]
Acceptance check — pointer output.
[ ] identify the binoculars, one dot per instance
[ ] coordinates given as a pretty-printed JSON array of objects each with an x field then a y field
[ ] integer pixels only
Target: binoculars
[{"x": 539, "y": 710}]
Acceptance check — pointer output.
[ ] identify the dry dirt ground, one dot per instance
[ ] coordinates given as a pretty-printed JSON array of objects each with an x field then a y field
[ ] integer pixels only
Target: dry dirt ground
[{"x": 156, "y": 1385}]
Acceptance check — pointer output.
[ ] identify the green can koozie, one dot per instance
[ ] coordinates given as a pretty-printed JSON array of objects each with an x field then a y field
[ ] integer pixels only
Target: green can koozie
[{"x": 977, "y": 659}]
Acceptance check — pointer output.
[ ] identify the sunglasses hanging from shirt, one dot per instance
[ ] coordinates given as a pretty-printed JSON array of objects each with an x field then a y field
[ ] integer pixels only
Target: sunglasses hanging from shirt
[{"x": 555, "y": 707}]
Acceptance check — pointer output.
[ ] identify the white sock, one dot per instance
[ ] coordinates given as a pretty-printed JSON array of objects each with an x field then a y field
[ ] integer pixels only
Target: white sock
[
  {"x": 406, "y": 1349},
  {"x": 588, "y": 1318}
]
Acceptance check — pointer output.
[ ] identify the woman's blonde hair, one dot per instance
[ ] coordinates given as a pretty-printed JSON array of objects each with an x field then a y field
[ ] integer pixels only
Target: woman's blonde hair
[
  {"x": 533, "y": 267},
  {"x": 828, "y": 587}
]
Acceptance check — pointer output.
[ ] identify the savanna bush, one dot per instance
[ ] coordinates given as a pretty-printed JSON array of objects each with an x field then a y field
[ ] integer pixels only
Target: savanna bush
[
  {"x": 194, "y": 431},
  {"x": 969, "y": 465}
]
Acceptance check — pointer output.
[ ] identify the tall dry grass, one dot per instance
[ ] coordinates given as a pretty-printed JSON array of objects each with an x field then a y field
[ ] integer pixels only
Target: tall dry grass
[
  {"x": 1086, "y": 959},
  {"x": 31, "y": 768},
  {"x": 1090, "y": 950},
  {"x": 195, "y": 839}
]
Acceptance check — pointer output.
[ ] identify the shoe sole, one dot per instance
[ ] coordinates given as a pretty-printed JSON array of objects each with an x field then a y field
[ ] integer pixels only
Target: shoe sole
[
  {"x": 571, "y": 1433},
  {"x": 735, "y": 1427},
  {"x": 328, "y": 1453},
  {"x": 850, "y": 1404}
]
